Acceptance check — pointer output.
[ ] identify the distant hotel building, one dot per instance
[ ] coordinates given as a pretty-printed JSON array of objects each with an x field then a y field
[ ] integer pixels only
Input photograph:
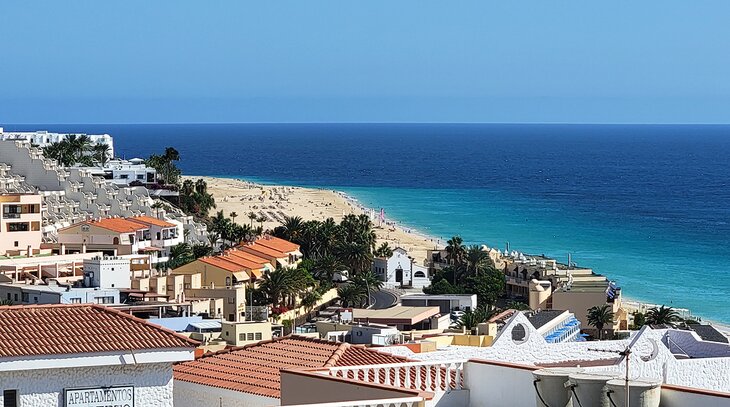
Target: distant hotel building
[{"x": 42, "y": 138}]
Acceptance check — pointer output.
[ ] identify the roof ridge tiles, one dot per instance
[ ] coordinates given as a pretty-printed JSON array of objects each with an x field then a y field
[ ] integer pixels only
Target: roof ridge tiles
[{"x": 337, "y": 354}]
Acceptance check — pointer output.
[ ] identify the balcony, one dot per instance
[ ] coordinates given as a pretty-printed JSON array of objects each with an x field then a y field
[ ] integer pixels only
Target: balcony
[{"x": 423, "y": 376}]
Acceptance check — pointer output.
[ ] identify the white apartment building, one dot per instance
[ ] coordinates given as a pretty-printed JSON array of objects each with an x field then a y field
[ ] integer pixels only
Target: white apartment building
[
  {"x": 108, "y": 272},
  {"x": 123, "y": 172},
  {"x": 43, "y": 138},
  {"x": 20, "y": 223}
]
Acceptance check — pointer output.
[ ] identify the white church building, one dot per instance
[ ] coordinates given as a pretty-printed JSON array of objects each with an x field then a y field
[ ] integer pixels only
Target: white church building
[{"x": 400, "y": 270}]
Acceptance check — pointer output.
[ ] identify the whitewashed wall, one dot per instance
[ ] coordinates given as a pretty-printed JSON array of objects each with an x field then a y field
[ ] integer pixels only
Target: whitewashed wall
[
  {"x": 195, "y": 395},
  {"x": 44, "y": 388}
]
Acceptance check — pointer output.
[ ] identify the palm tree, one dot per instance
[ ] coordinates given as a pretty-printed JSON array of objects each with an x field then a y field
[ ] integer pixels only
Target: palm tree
[
  {"x": 351, "y": 295},
  {"x": 293, "y": 226},
  {"x": 476, "y": 258},
  {"x": 328, "y": 235},
  {"x": 5, "y": 302},
  {"x": 310, "y": 300},
  {"x": 233, "y": 216},
  {"x": 100, "y": 153},
  {"x": 201, "y": 250},
  {"x": 383, "y": 251},
  {"x": 471, "y": 319},
  {"x": 325, "y": 268},
  {"x": 356, "y": 256},
  {"x": 252, "y": 216},
  {"x": 368, "y": 282},
  {"x": 455, "y": 251},
  {"x": 599, "y": 316},
  {"x": 187, "y": 188},
  {"x": 662, "y": 316},
  {"x": 201, "y": 187},
  {"x": 276, "y": 285}
]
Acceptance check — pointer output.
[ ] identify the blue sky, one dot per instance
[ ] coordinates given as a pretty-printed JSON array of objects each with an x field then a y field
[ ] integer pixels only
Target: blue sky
[{"x": 651, "y": 61}]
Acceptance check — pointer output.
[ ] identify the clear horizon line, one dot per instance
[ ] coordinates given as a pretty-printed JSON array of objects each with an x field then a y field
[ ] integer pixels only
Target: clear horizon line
[{"x": 379, "y": 122}]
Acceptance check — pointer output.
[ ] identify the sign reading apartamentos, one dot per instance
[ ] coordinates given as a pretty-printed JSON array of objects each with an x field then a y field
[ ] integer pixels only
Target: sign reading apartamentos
[{"x": 100, "y": 397}]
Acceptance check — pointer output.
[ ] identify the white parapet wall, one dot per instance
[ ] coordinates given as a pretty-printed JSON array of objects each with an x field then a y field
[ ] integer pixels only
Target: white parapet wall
[{"x": 152, "y": 383}]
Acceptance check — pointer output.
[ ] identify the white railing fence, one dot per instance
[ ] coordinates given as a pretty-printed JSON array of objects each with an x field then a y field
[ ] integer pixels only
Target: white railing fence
[
  {"x": 399, "y": 402},
  {"x": 426, "y": 376}
]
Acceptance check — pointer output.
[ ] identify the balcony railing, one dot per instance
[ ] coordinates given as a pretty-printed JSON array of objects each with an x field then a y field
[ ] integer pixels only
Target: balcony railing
[
  {"x": 426, "y": 376},
  {"x": 399, "y": 402}
]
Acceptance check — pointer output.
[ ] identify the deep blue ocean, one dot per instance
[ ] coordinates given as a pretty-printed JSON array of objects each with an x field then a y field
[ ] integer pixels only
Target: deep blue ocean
[{"x": 649, "y": 206}]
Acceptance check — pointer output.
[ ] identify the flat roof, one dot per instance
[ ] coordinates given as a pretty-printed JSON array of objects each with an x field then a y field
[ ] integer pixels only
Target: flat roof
[
  {"x": 206, "y": 325},
  {"x": 395, "y": 315},
  {"x": 438, "y": 296}
]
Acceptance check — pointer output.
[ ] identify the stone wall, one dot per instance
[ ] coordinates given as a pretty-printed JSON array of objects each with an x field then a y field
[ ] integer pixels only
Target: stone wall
[{"x": 44, "y": 388}]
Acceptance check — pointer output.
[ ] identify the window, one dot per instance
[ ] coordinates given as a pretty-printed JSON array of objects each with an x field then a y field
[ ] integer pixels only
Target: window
[
  {"x": 26, "y": 297},
  {"x": 18, "y": 227},
  {"x": 231, "y": 317},
  {"x": 242, "y": 337},
  {"x": 419, "y": 274},
  {"x": 10, "y": 398},
  {"x": 123, "y": 176},
  {"x": 16, "y": 297},
  {"x": 8, "y": 296},
  {"x": 231, "y": 300},
  {"x": 258, "y": 336},
  {"x": 76, "y": 300},
  {"x": 141, "y": 176},
  {"x": 105, "y": 300},
  {"x": 15, "y": 243},
  {"x": 35, "y": 300},
  {"x": 250, "y": 336}
]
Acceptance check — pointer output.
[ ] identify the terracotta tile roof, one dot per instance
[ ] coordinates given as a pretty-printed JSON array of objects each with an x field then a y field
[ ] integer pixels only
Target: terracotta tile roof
[
  {"x": 30, "y": 330},
  {"x": 261, "y": 249},
  {"x": 233, "y": 258},
  {"x": 149, "y": 220},
  {"x": 249, "y": 256},
  {"x": 222, "y": 263},
  {"x": 255, "y": 368},
  {"x": 275, "y": 243},
  {"x": 118, "y": 225}
]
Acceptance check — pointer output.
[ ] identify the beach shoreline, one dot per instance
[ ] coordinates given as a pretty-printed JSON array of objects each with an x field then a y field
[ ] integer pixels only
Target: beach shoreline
[{"x": 241, "y": 195}]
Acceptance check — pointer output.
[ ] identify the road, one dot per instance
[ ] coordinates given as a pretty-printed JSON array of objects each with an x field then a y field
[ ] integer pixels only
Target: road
[{"x": 383, "y": 299}]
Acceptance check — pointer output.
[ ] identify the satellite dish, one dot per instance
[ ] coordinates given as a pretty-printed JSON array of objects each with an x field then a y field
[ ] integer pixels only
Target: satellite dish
[{"x": 654, "y": 351}]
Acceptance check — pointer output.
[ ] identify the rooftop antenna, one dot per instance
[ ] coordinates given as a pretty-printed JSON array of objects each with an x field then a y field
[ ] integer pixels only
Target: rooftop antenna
[{"x": 627, "y": 354}]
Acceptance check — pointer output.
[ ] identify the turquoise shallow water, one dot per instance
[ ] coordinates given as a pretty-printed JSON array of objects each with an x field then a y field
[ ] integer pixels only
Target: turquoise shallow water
[
  {"x": 649, "y": 206},
  {"x": 651, "y": 264}
]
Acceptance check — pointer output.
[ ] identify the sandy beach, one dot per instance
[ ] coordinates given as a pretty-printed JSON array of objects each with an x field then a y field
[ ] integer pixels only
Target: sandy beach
[{"x": 277, "y": 201}]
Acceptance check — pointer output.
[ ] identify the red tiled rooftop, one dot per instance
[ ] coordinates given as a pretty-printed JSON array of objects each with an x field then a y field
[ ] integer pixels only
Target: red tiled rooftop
[
  {"x": 261, "y": 249},
  {"x": 248, "y": 256},
  {"x": 33, "y": 330},
  {"x": 255, "y": 368},
  {"x": 149, "y": 220},
  {"x": 233, "y": 258},
  {"x": 118, "y": 225},
  {"x": 222, "y": 263},
  {"x": 275, "y": 243}
]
